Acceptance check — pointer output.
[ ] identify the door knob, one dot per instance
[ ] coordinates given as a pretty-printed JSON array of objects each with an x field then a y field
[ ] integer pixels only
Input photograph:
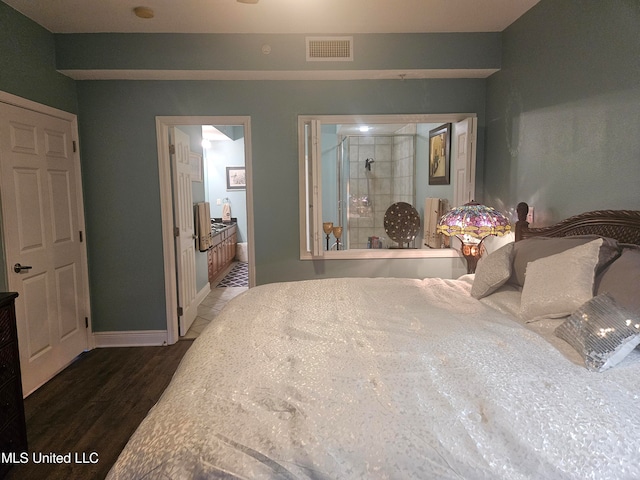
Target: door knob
[{"x": 18, "y": 268}]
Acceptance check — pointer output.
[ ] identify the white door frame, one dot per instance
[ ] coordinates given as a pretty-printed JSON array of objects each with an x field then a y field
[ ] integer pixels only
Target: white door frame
[
  {"x": 166, "y": 205},
  {"x": 20, "y": 102}
]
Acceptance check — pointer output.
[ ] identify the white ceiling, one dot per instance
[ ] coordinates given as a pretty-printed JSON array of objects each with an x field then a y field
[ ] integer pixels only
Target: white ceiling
[{"x": 275, "y": 16}]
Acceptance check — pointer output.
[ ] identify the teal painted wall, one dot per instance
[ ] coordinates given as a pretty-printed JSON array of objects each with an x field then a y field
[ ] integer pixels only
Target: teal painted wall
[
  {"x": 28, "y": 63},
  {"x": 119, "y": 153},
  {"x": 244, "y": 52},
  {"x": 563, "y": 114},
  {"x": 118, "y": 138},
  {"x": 121, "y": 176}
]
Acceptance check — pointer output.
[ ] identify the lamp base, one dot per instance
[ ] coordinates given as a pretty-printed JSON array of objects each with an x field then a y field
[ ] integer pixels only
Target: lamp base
[{"x": 471, "y": 252}]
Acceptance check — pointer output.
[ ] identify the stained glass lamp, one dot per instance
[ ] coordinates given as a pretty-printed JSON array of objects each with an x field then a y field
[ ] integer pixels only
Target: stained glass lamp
[{"x": 471, "y": 224}]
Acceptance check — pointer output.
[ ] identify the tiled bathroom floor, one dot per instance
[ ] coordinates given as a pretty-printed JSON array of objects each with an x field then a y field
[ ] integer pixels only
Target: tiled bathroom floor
[{"x": 211, "y": 307}]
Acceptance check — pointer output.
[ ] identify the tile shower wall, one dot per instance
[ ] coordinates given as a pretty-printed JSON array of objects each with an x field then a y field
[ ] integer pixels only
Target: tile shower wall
[
  {"x": 404, "y": 165},
  {"x": 371, "y": 193}
]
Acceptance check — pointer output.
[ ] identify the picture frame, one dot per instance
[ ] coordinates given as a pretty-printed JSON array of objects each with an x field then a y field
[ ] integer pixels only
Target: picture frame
[
  {"x": 236, "y": 178},
  {"x": 440, "y": 155}
]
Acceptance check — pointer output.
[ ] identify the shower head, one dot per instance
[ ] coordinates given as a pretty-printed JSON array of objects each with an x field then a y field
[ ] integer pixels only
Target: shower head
[{"x": 367, "y": 164}]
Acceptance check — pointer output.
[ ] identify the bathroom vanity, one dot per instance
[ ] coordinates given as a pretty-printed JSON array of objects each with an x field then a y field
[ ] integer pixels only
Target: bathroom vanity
[{"x": 223, "y": 249}]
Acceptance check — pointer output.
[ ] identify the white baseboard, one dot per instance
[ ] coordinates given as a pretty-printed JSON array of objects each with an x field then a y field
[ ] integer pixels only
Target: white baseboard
[
  {"x": 202, "y": 294},
  {"x": 140, "y": 338},
  {"x": 135, "y": 338}
]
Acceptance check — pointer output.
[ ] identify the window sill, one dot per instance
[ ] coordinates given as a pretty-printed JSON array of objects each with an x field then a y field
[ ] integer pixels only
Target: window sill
[{"x": 368, "y": 254}]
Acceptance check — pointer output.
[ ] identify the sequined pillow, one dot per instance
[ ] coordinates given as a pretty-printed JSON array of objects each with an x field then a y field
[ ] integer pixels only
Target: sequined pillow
[
  {"x": 602, "y": 331},
  {"x": 492, "y": 272},
  {"x": 557, "y": 285}
]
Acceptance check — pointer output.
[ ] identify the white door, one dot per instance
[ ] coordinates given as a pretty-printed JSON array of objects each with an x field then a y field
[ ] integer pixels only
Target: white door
[
  {"x": 183, "y": 217},
  {"x": 41, "y": 208},
  {"x": 463, "y": 152}
]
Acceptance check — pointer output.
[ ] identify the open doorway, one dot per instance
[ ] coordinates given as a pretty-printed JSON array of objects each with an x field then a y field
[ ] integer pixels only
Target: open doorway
[{"x": 211, "y": 195}]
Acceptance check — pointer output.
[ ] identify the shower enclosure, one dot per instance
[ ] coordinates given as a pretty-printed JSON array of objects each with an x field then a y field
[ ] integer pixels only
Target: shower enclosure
[{"x": 372, "y": 172}]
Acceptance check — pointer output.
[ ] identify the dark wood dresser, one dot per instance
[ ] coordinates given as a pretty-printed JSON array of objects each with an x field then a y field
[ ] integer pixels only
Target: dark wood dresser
[{"x": 13, "y": 429}]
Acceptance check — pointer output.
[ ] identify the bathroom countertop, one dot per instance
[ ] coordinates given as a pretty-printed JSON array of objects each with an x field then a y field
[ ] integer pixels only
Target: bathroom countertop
[{"x": 215, "y": 229}]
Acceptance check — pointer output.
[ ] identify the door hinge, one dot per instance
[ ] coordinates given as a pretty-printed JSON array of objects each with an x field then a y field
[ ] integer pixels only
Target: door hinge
[
  {"x": 86, "y": 322},
  {"x": 80, "y": 232},
  {"x": 172, "y": 149},
  {"x": 180, "y": 311},
  {"x": 74, "y": 146},
  {"x": 176, "y": 232}
]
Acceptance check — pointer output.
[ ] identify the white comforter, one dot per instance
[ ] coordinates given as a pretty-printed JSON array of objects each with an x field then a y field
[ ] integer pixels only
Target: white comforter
[{"x": 384, "y": 378}]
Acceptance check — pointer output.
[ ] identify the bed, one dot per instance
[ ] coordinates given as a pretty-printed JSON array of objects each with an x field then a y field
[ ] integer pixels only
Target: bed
[{"x": 404, "y": 378}]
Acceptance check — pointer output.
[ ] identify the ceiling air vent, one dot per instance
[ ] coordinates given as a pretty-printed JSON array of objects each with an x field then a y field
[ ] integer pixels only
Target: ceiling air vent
[{"x": 329, "y": 49}]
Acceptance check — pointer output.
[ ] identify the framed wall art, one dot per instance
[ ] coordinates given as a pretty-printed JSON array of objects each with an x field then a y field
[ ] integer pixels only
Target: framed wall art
[
  {"x": 439, "y": 155},
  {"x": 236, "y": 179}
]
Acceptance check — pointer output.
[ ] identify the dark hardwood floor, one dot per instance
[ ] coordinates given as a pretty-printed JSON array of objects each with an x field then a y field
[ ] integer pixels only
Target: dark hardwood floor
[{"x": 92, "y": 407}]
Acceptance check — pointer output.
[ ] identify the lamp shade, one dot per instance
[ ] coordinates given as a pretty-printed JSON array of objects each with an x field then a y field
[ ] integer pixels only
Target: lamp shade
[{"x": 475, "y": 220}]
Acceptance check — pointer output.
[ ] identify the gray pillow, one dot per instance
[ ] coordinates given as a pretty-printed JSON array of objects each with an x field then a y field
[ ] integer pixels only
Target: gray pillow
[
  {"x": 531, "y": 249},
  {"x": 621, "y": 280},
  {"x": 492, "y": 272},
  {"x": 602, "y": 331},
  {"x": 558, "y": 284}
]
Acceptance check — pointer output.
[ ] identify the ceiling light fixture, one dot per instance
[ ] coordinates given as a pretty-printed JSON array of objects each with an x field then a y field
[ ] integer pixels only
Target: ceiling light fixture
[
  {"x": 247, "y": 1},
  {"x": 143, "y": 12}
]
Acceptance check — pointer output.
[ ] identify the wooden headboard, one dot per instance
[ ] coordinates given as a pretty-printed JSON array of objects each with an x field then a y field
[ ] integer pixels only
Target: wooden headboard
[{"x": 622, "y": 225}]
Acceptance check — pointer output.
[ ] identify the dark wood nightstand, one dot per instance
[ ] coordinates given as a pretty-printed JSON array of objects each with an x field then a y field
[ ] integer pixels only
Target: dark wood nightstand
[{"x": 13, "y": 429}]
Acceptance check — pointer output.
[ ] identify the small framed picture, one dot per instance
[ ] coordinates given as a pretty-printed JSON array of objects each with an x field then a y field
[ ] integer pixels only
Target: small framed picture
[
  {"x": 236, "y": 179},
  {"x": 439, "y": 155}
]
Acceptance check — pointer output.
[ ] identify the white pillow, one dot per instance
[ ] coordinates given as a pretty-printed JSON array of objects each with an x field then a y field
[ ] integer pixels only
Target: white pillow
[
  {"x": 557, "y": 285},
  {"x": 493, "y": 242},
  {"x": 492, "y": 272},
  {"x": 603, "y": 332}
]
